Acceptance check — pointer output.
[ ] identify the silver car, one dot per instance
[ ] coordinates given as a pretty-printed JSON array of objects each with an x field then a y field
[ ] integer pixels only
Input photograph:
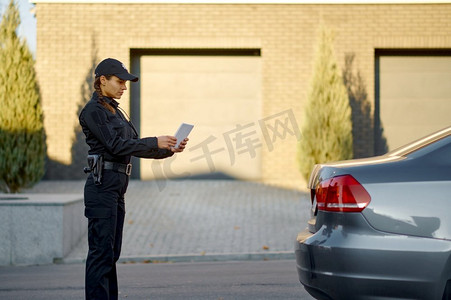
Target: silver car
[{"x": 380, "y": 227}]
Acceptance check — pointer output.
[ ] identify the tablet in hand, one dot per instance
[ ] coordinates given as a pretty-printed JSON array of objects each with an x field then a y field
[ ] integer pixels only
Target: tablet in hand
[{"x": 182, "y": 133}]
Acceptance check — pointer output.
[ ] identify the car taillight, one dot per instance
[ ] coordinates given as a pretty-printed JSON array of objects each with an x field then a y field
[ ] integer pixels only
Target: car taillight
[{"x": 341, "y": 194}]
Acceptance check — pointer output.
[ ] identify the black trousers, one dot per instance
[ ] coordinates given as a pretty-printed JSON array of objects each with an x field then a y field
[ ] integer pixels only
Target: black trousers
[{"x": 105, "y": 210}]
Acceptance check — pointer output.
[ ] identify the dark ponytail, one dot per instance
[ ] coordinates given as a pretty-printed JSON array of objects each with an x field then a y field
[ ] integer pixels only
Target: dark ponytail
[{"x": 100, "y": 95}]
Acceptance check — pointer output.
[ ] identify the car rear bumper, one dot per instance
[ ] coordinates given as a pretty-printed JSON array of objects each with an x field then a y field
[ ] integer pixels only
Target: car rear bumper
[{"x": 354, "y": 261}]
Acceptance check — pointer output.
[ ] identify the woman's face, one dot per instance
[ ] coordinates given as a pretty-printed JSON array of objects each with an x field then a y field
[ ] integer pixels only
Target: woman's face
[{"x": 113, "y": 87}]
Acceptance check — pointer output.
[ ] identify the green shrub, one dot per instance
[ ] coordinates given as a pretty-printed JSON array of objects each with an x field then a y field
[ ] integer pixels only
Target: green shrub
[
  {"x": 22, "y": 138},
  {"x": 327, "y": 127}
]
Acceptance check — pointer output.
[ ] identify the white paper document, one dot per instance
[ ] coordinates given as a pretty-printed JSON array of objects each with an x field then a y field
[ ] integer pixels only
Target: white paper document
[{"x": 183, "y": 132}]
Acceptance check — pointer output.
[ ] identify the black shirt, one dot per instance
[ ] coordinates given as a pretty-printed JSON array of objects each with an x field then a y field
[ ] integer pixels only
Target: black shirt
[{"x": 113, "y": 136}]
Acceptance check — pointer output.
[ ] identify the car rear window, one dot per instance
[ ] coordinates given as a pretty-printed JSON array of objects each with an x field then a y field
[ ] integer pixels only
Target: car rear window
[{"x": 421, "y": 143}]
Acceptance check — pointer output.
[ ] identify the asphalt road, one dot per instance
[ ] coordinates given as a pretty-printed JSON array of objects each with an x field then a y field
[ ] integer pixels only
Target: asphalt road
[{"x": 209, "y": 280}]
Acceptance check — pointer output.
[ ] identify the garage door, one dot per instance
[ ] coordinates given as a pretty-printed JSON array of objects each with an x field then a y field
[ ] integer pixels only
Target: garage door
[
  {"x": 414, "y": 96},
  {"x": 220, "y": 95}
]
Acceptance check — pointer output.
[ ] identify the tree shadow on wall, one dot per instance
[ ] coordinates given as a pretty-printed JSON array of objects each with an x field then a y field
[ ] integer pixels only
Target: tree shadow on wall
[
  {"x": 79, "y": 150},
  {"x": 366, "y": 141}
]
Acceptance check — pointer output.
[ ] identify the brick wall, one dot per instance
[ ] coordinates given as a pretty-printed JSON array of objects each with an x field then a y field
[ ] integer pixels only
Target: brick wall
[{"x": 71, "y": 38}]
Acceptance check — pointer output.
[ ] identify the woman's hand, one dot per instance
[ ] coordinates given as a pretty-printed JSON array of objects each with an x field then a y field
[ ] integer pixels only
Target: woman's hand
[
  {"x": 181, "y": 147},
  {"x": 166, "y": 142}
]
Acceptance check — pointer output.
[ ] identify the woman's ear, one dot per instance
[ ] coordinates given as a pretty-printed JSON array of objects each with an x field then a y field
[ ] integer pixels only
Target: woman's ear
[{"x": 103, "y": 80}]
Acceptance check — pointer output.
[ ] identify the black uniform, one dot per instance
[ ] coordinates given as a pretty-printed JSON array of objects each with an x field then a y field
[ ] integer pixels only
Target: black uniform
[{"x": 114, "y": 137}]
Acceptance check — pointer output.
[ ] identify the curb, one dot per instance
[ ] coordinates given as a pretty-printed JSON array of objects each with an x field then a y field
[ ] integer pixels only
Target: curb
[{"x": 220, "y": 257}]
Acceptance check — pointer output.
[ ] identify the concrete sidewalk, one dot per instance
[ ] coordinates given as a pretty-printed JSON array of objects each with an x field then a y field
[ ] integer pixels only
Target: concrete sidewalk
[{"x": 202, "y": 220}]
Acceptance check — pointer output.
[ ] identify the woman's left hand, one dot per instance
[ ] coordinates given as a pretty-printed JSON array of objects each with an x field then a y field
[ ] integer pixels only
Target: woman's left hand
[{"x": 181, "y": 147}]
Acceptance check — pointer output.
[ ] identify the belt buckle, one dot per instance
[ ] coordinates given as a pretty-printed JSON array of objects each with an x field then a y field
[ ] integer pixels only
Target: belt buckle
[{"x": 128, "y": 169}]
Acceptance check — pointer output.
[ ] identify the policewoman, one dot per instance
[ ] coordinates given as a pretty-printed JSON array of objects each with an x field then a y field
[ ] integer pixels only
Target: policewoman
[{"x": 113, "y": 140}]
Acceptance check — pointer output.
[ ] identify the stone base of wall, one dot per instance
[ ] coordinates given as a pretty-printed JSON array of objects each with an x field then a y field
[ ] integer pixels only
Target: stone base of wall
[{"x": 39, "y": 228}]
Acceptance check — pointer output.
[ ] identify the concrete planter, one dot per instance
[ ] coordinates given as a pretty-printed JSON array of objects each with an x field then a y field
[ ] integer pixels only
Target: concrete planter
[{"x": 39, "y": 228}]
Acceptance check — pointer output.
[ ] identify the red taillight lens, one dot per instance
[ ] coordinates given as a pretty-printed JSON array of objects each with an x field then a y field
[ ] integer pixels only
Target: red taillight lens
[{"x": 343, "y": 194}]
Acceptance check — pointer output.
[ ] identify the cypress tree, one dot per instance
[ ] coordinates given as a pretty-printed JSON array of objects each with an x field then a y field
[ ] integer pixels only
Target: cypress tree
[
  {"x": 22, "y": 138},
  {"x": 327, "y": 128}
]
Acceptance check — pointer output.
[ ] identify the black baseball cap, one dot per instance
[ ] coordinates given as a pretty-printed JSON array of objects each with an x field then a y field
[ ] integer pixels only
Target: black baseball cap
[{"x": 111, "y": 66}]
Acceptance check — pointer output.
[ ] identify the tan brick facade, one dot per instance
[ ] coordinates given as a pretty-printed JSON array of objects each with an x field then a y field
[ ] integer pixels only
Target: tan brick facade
[{"x": 70, "y": 36}]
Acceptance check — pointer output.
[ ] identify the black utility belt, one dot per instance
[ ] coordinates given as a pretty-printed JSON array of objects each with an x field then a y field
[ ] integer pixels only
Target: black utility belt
[{"x": 122, "y": 168}]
